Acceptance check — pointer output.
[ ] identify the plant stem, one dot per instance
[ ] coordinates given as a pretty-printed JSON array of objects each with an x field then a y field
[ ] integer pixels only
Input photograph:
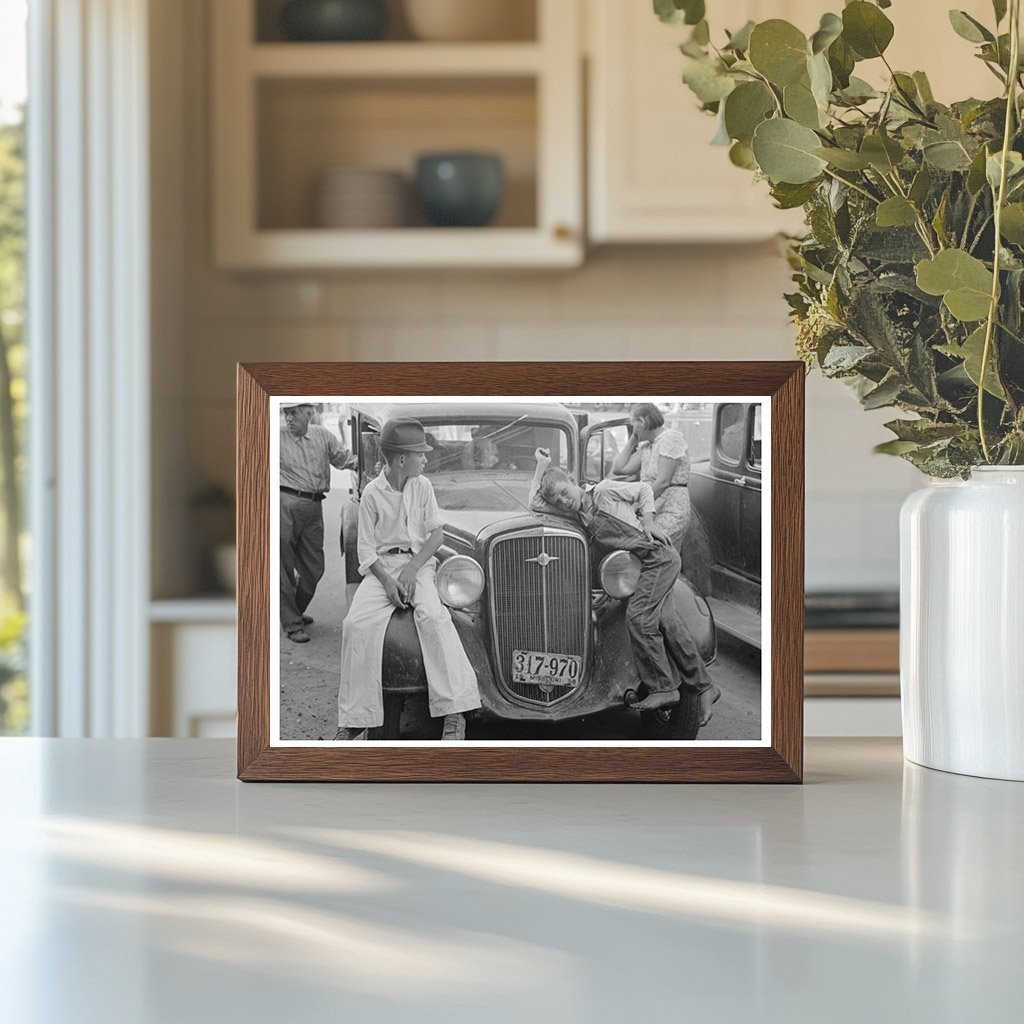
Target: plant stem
[
  {"x": 855, "y": 187},
  {"x": 977, "y": 238},
  {"x": 768, "y": 85},
  {"x": 1012, "y": 334},
  {"x": 993, "y": 309},
  {"x": 923, "y": 229},
  {"x": 969, "y": 218}
]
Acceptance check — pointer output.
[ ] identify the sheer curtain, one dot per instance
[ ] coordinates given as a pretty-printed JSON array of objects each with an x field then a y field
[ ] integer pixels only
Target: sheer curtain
[{"x": 88, "y": 301}]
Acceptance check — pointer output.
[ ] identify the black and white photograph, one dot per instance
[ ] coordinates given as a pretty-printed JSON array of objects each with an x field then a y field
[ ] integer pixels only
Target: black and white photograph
[{"x": 517, "y": 570}]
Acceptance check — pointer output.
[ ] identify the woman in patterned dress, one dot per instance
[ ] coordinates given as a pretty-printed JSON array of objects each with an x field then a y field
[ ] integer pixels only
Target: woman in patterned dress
[{"x": 658, "y": 455}]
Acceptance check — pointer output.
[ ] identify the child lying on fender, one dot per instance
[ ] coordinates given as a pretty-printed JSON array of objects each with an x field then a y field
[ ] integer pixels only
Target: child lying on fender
[{"x": 618, "y": 515}]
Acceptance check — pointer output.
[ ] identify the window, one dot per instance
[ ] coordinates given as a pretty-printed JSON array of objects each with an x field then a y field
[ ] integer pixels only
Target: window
[
  {"x": 14, "y": 705},
  {"x": 732, "y": 433},
  {"x": 603, "y": 448}
]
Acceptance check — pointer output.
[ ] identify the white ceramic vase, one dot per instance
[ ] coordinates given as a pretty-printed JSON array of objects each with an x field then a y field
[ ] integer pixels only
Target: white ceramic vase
[{"x": 962, "y": 624}]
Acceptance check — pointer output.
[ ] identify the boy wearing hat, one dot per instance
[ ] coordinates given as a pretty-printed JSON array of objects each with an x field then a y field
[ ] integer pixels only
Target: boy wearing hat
[{"x": 400, "y": 531}]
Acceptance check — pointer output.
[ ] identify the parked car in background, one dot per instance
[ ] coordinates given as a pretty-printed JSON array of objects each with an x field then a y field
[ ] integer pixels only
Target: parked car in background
[
  {"x": 541, "y": 615},
  {"x": 722, "y": 551}
]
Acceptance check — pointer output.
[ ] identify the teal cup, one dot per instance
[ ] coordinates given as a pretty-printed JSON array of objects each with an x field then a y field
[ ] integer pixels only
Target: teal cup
[
  {"x": 460, "y": 189},
  {"x": 332, "y": 21}
]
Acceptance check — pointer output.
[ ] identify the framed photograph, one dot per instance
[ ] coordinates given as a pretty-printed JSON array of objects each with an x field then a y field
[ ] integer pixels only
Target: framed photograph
[{"x": 520, "y": 572}]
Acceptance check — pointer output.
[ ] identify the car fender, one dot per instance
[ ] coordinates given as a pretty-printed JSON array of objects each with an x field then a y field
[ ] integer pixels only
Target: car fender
[
  {"x": 696, "y": 615},
  {"x": 402, "y": 668}
]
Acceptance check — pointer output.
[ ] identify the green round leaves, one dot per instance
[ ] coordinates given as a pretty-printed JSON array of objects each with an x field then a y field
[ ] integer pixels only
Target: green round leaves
[
  {"x": 785, "y": 152},
  {"x": 1013, "y": 223},
  {"x": 970, "y": 28},
  {"x": 747, "y": 106},
  {"x": 708, "y": 80},
  {"x": 866, "y": 30},
  {"x": 895, "y": 212},
  {"x": 779, "y": 51},
  {"x": 963, "y": 281},
  {"x": 830, "y": 30}
]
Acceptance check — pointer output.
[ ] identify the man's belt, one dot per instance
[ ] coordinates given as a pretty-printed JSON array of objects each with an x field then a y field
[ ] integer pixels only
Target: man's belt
[{"x": 311, "y": 495}]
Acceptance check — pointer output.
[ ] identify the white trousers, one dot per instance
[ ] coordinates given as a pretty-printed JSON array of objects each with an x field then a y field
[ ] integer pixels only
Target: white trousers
[{"x": 451, "y": 681}]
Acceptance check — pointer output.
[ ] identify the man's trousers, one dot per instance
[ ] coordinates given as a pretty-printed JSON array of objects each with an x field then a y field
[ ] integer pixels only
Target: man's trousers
[
  {"x": 302, "y": 556},
  {"x": 451, "y": 680}
]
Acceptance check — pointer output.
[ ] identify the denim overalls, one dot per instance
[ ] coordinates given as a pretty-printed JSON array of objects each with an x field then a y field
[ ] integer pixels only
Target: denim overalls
[{"x": 658, "y": 635}]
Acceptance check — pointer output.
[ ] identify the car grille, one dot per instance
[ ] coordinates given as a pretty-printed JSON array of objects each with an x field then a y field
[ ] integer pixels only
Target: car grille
[{"x": 539, "y": 608}]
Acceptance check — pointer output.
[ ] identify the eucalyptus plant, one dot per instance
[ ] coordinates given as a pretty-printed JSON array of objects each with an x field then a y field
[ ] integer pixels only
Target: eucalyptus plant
[{"x": 910, "y": 278}]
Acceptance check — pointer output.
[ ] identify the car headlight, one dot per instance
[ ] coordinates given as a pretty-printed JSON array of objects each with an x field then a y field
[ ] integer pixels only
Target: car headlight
[
  {"x": 460, "y": 581},
  {"x": 619, "y": 573}
]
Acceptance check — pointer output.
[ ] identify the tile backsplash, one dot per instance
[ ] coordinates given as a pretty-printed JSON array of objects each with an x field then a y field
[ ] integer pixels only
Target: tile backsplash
[{"x": 719, "y": 302}]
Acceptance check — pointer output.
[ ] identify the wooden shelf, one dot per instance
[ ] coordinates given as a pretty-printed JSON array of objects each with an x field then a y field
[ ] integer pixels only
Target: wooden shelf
[
  {"x": 401, "y": 247},
  {"x": 393, "y": 60},
  {"x": 206, "y": 608},
  {"x": 852, "y": 650},
  {"x": 851, "y": 684}
]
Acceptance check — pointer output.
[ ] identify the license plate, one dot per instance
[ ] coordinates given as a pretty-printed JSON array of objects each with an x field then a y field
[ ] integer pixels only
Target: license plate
[{"x": 546, "y": 669}]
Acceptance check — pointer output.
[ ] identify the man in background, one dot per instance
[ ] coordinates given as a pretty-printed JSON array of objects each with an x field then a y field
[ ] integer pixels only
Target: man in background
[{"x": 307, "y": 453}]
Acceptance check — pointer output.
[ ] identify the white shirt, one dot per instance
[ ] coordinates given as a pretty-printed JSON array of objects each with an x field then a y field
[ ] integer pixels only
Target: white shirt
[
  {"x": 623, "y": 499},
  {"x": 395, "y": 519}
]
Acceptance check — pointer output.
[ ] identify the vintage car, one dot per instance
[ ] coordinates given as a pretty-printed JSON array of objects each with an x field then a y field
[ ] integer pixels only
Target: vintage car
[
  {"x": 722, "y": 553},
  {"x": 540, "y": 613}
]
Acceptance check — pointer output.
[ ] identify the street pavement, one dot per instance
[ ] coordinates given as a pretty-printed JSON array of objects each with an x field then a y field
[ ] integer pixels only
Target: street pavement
[{"x": 310, "y": 674}]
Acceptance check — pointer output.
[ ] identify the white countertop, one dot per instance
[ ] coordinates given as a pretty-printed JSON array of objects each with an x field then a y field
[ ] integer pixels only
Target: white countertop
[{"x": 143, "y": 884}]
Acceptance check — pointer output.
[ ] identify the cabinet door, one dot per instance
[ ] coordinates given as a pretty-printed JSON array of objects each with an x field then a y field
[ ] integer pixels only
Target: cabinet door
[{"x": 653, "y": 174}]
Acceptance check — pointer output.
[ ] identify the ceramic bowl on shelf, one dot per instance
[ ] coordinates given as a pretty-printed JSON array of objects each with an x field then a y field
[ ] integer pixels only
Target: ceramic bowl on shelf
[
  {"x": 471, "y": 20},
  {"x": 361, "y": 198},
  {"x": 460, "y": 189},
  {"x": 331, "y": 21}
]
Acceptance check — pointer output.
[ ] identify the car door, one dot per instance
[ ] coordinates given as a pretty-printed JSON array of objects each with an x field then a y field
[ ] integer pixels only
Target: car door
[
  {"x": 718, "y": 495},
  {"x": 366, "y": 447},
  {"x": 366, "y": 435},
  {"x": 600, "y": 445},
  {"x": 750, "y": 498}
]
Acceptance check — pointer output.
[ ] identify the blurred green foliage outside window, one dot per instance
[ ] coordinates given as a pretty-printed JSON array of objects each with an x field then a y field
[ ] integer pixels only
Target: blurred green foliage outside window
[{"x": 14, "y": 704}]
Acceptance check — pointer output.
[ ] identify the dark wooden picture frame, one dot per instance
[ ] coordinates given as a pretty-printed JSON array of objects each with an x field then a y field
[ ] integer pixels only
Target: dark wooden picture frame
[{"x": 781, "y": 761}]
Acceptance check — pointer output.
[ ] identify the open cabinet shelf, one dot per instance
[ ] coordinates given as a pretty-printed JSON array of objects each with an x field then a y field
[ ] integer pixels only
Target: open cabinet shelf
[
  {"x": 287, "y": 114},
  {"x": 394, "y": 60}
]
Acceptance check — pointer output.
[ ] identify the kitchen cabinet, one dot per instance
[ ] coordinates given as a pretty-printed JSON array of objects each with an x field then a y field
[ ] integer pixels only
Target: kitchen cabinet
[
  {"x": 193, "y": 673},
  {"x": 286, "y": 113},
  {"x": 653, "y": 175}
]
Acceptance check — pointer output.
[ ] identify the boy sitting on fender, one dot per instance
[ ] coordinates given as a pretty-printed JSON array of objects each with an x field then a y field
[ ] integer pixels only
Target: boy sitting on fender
[
  {"x": 400, "y": 531},
  {"x": 618, "y": 515}
]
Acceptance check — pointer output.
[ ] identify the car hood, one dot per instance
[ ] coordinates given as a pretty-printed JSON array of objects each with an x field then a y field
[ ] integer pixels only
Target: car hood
[
  {"x": 474, "y": 505},
  {"x": 471, "y": 523}
]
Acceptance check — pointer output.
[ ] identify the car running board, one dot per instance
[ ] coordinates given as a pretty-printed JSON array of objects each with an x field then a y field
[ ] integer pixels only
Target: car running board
[{"x": 737, "y": 620}]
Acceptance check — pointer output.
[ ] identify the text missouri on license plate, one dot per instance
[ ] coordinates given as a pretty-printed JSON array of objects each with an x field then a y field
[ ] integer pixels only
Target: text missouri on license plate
[{"x": 546, "y": 669}]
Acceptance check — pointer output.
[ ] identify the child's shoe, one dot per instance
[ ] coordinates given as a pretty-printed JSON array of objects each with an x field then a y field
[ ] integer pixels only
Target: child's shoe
[
  {"x": 348, "y": 733},
  {"x": 454, "y": 727}
]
